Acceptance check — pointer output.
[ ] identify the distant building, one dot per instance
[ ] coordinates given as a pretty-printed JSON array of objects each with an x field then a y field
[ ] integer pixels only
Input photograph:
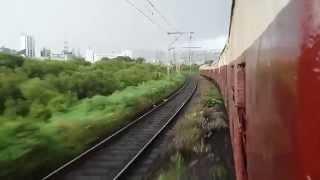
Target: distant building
[
  {"x": 90, "y": 55},
  {"x": 65, "y": 54},
  {"x": 27, "y": 45},
  {"x": 45, "y": 53},
  {"x": 66, "y": 48},
  {"x": 62, "y": 56},
  {"x": 58, "y": 56},
  {"x": 126, "y": 53},
  {"x": 68, "y": 55}
]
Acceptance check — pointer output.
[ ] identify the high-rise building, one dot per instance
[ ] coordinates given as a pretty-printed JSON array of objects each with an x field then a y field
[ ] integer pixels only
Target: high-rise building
[
  {"x": 90, "y": 55},
  {"x": 66, "y": 48},
  {"x": 27, "y": 45},
  {"x": 45, "y": 53}
]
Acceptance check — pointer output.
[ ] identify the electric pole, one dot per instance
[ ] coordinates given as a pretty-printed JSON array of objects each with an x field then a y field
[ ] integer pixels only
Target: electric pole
[
  {"x": 190, "y": 35},
  {"x": 190, "y": 54}
]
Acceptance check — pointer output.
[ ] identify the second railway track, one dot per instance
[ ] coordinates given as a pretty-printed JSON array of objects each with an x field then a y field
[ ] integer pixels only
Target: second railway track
[{"x": 110, "y": 159}]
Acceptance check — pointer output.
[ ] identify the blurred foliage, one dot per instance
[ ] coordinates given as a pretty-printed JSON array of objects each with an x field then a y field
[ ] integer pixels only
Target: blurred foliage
[
  {"x": 213, "y": 98},
  {"x": 50, "y": 111},
  {"x": 176, "y": 170},
  {"x": 189, "y": 142}
]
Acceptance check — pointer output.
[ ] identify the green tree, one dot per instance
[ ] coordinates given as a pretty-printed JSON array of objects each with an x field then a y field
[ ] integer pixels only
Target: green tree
[
  {"x": 140, "y": 60},
  {"x": 10, "y": 61},
  {"x": 36, "y": 90}
]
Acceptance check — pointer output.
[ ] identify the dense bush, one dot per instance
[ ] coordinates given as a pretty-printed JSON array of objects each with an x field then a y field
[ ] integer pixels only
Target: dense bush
[
  {"x": 50, "y": 111},
  {"x": 39, "y": 82}
]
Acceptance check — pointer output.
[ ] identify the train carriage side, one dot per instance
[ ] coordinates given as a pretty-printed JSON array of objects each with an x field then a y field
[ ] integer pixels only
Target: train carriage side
[{"x": 269, "y": 75}]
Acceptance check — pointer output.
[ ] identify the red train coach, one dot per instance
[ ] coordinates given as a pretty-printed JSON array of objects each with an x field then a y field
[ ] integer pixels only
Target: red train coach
[{"x": 269, "y": 75}]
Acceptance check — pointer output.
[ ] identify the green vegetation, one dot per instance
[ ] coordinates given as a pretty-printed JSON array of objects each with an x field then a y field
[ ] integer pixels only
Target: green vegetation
[
  {"x": 190, "y": 148},
  {"x": 50, "y": 111},
  {"x": 212, "y": 99},
  {"x": 177, "y": 169},
  {"x": 189, "y": 133}
]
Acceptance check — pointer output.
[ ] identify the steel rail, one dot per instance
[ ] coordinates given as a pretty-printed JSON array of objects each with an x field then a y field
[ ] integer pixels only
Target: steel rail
[
  {"x": 124, "y": 129},
  {"x": 122, "y": 172}
]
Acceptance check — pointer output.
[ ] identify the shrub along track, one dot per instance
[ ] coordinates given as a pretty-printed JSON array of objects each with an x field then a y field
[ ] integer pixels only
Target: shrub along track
[{"x": 113, "y": 156}]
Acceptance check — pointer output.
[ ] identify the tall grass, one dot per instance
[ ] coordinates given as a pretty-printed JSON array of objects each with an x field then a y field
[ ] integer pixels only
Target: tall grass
[
  {"x": 177, "y": 169},
  {"x": 189, "y": 140}
]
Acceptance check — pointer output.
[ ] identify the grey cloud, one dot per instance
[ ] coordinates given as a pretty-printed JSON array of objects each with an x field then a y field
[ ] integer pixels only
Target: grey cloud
[{"x": 108, "y": 24}]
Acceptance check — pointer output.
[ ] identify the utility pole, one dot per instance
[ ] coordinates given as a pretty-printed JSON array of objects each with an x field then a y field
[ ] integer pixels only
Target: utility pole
[
  {"x": 190, "y": 35},
  {"x": 190, "y": 54},
  {"x": 190, "y": 39},
  {"x": 173, "y": 60}
]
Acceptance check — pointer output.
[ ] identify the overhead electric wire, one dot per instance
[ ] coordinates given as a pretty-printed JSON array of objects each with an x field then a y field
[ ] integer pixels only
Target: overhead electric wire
[
  {"x": 175, "y": 40},
  {"x": 145, "y": 15},
  {"x": 160, "y": 14}
]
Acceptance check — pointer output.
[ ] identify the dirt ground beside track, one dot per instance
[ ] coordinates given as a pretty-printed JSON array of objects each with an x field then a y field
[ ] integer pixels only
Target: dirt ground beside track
[{"x": 214, "y": 164}]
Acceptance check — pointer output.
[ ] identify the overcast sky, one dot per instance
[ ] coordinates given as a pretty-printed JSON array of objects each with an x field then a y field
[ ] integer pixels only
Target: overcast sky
[{"x": 111, "y": 25}]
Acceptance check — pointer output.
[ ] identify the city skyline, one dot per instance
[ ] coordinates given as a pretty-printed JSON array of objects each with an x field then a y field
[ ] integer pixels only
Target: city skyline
[{"x": 199, "y": 55}]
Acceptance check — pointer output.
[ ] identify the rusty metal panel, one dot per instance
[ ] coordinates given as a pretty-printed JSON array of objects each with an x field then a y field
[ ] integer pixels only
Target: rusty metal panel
[{"x": 240, "y": 85}]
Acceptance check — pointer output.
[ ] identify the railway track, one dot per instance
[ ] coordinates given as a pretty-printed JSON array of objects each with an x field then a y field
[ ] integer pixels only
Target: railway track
[{"x": 112, "y": 157}]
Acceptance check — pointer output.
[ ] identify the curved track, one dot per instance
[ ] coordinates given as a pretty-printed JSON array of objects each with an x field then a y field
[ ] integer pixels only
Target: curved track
[{"x": 112, "y": 157}]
